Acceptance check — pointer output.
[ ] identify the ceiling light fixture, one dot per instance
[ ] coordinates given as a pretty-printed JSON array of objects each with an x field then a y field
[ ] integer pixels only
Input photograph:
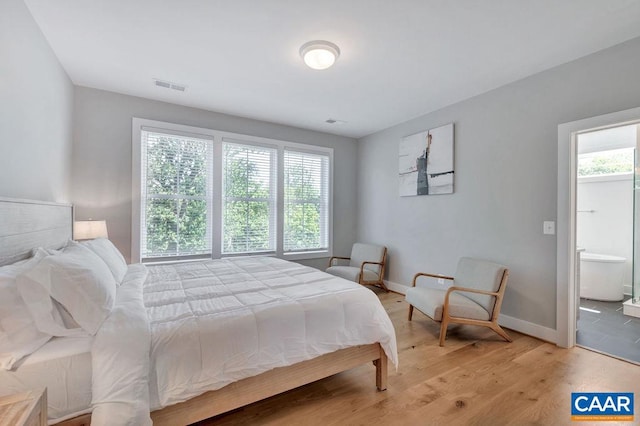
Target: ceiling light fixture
[{"x": 319, "y": 54}]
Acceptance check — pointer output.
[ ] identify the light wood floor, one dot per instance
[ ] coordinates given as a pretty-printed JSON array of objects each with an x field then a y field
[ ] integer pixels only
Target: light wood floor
[{"x": 476, "y": 379}]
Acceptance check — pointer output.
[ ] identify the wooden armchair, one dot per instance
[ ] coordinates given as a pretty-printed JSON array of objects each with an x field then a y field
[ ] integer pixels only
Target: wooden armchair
[
  {"x": 475, "y": 297},
  {"x": 366, "y": 265}
]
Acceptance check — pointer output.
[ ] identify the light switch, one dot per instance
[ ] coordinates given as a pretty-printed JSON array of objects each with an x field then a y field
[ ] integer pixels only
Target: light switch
[{"x": 548, "y": 227}]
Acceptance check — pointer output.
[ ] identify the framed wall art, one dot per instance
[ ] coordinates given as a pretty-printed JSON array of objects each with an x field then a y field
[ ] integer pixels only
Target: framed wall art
[{"x": 426, "y": 162}]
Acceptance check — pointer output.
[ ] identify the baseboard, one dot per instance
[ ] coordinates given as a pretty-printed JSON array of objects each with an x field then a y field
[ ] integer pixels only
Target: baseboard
[
  {"x": 395, "y": 287},
  {"x": 516, "y": 324},
  {"x": 529, "y": 328}
]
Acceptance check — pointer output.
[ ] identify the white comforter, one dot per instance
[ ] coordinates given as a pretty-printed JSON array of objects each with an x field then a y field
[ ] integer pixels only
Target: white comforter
[
  {"x": 219, "y": 321},
  {"x": 120, "y": 358}
]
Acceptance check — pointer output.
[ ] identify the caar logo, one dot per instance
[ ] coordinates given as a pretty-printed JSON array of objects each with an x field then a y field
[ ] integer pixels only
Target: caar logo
[{"x": 602, "y": 406}]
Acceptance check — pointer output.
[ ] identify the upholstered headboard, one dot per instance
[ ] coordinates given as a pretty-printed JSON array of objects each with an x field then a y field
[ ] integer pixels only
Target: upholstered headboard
[{"x": 26, "y": 224}]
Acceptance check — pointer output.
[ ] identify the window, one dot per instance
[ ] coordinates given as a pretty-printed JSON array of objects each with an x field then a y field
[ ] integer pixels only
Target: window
[
  {"x": 203, "y": 193},
  {"x": 306, "y": 201},
  {"x": 249, "y": 204},
  {"x": 602, "y": 163},
  {"x": 175, "y": 195}
]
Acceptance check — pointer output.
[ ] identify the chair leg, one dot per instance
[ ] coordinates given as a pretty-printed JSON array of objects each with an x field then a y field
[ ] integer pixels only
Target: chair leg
[
  {"x": 443, "y": 331},
  {"x": 382, "y": 286},
  {"x": 410, "y": 312},
  {"x": 495, "y": 327}
]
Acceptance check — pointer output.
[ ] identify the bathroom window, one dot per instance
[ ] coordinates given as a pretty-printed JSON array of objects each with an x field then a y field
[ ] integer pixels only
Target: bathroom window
[{"x": 616, "y": 161}]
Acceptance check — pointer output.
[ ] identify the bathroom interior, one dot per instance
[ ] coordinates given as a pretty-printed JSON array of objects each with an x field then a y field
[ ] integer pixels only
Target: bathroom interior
[{"x": 607, "y": 218}]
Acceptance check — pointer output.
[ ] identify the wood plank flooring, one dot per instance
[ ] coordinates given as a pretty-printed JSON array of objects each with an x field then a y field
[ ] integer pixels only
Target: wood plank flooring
[{"x": 476, "y": 379}]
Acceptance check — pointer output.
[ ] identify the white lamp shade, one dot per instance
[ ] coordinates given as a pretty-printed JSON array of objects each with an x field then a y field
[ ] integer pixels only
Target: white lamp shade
[
  {"x": 319, "y": 54},
  {"x": 89, "y": 229}
]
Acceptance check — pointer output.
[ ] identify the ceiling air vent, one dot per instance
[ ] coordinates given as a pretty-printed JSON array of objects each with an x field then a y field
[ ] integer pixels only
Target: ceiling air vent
[
  {"x": 169, "y": 85},
  {"x": 334, "y": 121}
]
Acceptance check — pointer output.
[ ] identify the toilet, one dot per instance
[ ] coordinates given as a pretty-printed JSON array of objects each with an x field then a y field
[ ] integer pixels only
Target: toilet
[{"x": 601, "y": 277}]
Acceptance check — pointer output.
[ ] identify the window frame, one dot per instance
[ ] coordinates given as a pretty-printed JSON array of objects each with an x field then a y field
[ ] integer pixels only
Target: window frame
[
  {"x": 209, "y": 191},
  {"x": 218, "y": 138},
  {"x": 273, "y": 208},
  {"x": 322, "y": 195}
]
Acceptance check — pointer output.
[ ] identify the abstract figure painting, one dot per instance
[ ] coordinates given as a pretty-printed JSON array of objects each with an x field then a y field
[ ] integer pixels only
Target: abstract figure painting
[{"x": 426, "y": 162}]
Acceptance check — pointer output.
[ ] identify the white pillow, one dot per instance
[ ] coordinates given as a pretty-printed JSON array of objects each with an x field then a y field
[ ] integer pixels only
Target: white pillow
[
  {"x": 77, "y": 279},
  {"x": 109, "y": 255},
  {"x": 19, "y": 335}
]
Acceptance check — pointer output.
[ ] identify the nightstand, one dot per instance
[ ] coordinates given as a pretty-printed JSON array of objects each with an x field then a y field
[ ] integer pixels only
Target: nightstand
[{"x": 24, "y": 409}]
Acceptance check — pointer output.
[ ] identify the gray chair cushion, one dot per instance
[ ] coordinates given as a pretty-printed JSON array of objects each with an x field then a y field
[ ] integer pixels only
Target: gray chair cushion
[
  {"x": 481, "y": 275},
  {"x": 366, "y": 252},
  {"x": 430, "y": 302},
  {"x": 351, "y": 273}
]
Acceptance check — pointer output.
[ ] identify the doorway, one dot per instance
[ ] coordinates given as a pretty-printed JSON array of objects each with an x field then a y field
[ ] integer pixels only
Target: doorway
[
  {"x": 568, "y": 262},
  {"x": 604, "y": 240}
]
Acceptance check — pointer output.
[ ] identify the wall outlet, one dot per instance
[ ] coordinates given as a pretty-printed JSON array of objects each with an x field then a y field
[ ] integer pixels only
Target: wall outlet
[
  {"x": 441, "y": 281},
  {"x": 548, "y": 227}
]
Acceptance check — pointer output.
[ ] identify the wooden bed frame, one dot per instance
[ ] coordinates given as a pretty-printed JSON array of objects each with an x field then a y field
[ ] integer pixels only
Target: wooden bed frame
[
  {"x": 270, "y": 383},
  {"x": 26, "y": 224}
]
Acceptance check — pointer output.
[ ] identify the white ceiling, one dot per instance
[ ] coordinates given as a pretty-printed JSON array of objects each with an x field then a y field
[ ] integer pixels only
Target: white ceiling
[{"x": 399, "y": 59}]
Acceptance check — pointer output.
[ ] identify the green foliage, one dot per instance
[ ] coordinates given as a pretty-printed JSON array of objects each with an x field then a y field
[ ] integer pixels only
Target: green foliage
[
  {"x": 605, "y": 163},
  {"x": 177, "y": 205},
  {"x": 302, "y": 206},
  {"x": 176, "y": 211},
  {"x": 248, "y": 200}
]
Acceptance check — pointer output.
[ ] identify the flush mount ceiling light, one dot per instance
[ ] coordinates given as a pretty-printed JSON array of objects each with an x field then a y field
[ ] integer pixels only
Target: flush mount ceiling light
[{"x": 319, "y": 54}]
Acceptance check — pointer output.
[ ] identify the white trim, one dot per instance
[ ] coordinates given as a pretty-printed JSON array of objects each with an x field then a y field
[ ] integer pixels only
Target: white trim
[
  {"x": 529, "y": 328},
  {"x": 218, "y": 137},
  {"x": 398, "y": 288},
  {"x": 566, "y": 220},
  {"x": 136, "y": 177}
]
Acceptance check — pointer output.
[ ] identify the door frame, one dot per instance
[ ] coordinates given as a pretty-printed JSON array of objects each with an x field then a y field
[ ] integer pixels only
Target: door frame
[{"x": 566, "y": 309}]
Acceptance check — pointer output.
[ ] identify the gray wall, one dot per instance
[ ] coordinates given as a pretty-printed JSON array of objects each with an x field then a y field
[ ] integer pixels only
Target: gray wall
[
  {"x": 101, "y": 166},
  {"x": 36, "y": 110},
  {"x": 506, "y": 150}
]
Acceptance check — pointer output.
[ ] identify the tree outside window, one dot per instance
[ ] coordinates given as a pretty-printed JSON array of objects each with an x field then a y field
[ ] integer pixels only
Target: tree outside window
[
  {"x": 249, "y": 199},
  {"x": 306, "y": 201},
  {"x": 606, "y": 162},
  {"x": 177, "y": 196},
  {"x": 257, "y": 210}
]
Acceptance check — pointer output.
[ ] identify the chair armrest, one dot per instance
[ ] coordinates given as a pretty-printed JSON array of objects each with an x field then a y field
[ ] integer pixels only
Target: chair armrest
[
  {"x": 467, "y": 290},
  {"x": 424, "y": 274},
  {"x": 337, "y": 257},
  {"x": 471, "y": 290},
  {"x": 370, "y": 263}
]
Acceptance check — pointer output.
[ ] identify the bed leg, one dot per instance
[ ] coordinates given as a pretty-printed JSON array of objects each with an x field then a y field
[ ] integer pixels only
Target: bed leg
[{"x": 381, "y": 371}]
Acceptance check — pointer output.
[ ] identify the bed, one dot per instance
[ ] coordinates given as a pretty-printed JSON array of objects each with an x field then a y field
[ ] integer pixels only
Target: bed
[{"x": 277, "y": 307}]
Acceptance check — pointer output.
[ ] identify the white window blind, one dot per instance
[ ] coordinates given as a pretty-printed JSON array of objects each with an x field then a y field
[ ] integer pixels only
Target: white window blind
[
  {"x": 176, "y": 194},
  {"x": 249, "y": 198},
  {"x": 306, "y": 201}
]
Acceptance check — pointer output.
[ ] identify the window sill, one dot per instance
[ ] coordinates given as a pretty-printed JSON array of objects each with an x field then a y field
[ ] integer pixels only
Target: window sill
[{"x": 303, "y": 255}]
